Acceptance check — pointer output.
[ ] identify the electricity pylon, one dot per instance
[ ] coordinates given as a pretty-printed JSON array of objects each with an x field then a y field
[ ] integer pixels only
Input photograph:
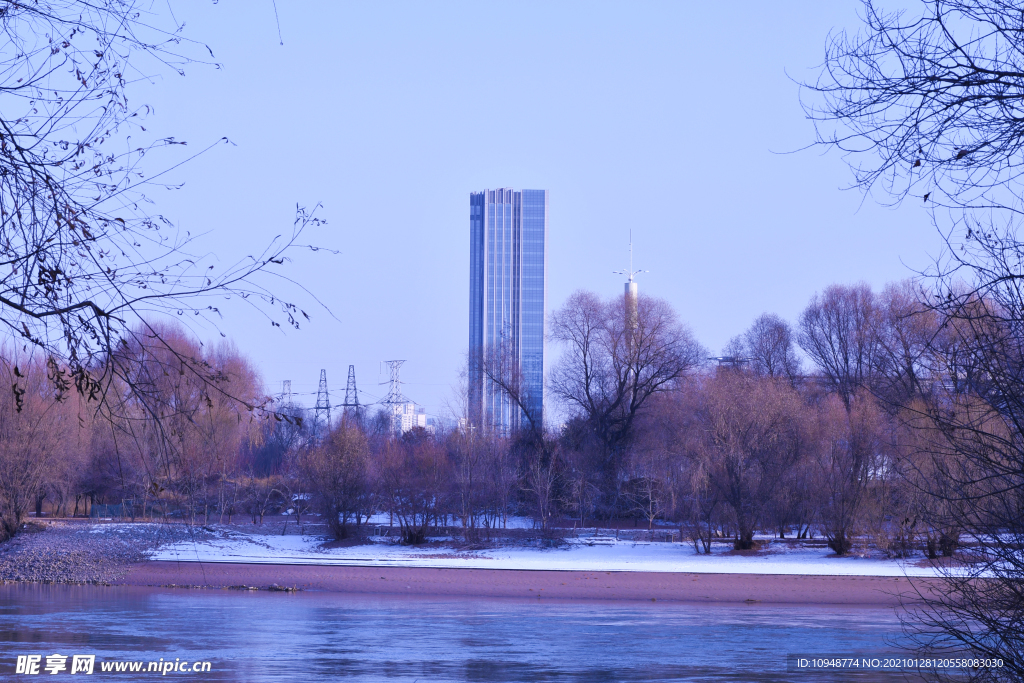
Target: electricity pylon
[
  {"x": 394, "y": 399},
  {"x": 351, "y": 393},
  {"x": 322, "y": 411}
]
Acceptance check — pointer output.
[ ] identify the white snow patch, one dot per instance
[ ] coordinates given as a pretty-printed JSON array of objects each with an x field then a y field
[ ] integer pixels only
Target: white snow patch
[{"x": 620, "y": 556}]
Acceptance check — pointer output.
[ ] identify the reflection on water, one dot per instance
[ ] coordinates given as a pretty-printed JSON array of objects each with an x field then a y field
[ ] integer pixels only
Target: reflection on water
[{"x": 322, "y": 636}]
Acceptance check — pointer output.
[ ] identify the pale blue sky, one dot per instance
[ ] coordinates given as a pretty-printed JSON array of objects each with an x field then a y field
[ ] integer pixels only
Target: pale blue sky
[{"x": 660, "y": 117}]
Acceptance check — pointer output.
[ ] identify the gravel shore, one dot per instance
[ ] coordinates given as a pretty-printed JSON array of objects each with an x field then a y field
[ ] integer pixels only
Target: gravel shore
[{"x": 84, "y": 552}]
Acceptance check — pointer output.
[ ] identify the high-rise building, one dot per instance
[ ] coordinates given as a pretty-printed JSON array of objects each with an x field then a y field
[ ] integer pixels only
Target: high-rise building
[{"x": 507, "y": 299}]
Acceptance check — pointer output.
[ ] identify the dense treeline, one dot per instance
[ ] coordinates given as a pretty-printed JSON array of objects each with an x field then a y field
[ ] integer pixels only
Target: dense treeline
[
  {"x": 177, "y": 441},
  {"x": 754, "y": 443},
  {"x": 855, "y": 447}
]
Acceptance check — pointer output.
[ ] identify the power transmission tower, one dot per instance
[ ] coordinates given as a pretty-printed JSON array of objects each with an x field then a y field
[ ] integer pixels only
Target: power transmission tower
[
  {"x": 394, "y": 399},
  {"x": 322, "y": 411},
  {"x": 351, "y": 393},
  {"x": 286, "y": 392},
  {"x": 394, "y": 396}
]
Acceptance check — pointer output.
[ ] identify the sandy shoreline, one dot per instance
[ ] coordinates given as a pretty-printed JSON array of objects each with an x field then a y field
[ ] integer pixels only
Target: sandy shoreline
[{"x": 581, "y": 585}]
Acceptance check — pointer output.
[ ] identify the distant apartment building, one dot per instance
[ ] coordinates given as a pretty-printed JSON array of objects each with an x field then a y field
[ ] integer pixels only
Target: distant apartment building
[
  {"x": 507, "y": 301},
  {"x": 406, "y": 416}
]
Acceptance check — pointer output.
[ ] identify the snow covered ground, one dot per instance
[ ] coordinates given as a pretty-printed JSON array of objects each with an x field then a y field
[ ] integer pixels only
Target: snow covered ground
[{"x": 609, "y": 555}]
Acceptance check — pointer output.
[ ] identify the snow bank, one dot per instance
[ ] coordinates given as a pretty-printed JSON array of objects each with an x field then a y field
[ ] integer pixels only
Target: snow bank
[{"x": 611, "y": 555}]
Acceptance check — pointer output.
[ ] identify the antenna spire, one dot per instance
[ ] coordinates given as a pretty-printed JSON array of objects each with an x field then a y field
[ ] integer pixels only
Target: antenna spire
[{"x": 630, "y": 274}]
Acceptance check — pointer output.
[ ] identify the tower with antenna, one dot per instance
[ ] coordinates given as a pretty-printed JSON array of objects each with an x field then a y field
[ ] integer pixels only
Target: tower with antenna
[
  {"x": 632, "y": 314},
  {"x": 322, "y": 411}
]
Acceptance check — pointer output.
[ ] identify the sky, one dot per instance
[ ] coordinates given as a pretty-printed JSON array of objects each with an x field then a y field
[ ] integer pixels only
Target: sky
[{"x": 680, "y": 122}]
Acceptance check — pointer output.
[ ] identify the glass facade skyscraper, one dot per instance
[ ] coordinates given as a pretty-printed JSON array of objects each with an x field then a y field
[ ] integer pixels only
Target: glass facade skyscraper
[{"x": 507, "y": 300}]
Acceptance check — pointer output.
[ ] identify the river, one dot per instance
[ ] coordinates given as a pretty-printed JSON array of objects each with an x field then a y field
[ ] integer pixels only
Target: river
[{"x": 260, "y": 636}]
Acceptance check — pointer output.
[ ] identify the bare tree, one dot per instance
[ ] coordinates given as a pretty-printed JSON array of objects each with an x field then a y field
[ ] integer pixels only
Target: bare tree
[
  {"x": 796, "y": 504},
  {"x": 906, "y": 328},
  {"x": 534, "y": 447},
  {"x": 337, "y": 474},
  {"x": 647, "y": 489},
  {"x": 656, "y": 460},
  {"x": 503, "y": 477},
  {"x": 260, "y": 495},
  {"x": 971, "y": 462},
  {"x": 186, "y": 414},
  {"x": 69, "y": 475},
  {"x": 613, "y": 363},
  {"x": 414, "y": 475},
  {"x": 502, "y": 368},
  {"x": 35, "y": 430},
  {"x": 699, "y": 502},
  {"x": 84, "y": 267},
  {"x": 770, "y": 346},
  {"x": 541, "y": 481},
  {"x": 838, "y": 331},
  {"x": 752, "y": 433},
  {"x": 281, "y": 437},
  {"x": 928, "y": 103},
  {"x": 582, "y": 483},
  {"x": 483, "y": 456},
  {"x": 80, "y": 261},
  {"x": 850, "y": 462},
  {"x": 469, "y": 453}
]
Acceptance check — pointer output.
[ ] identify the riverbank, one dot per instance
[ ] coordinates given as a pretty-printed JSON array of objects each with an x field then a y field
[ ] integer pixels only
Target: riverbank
[
  {"x": 82, "y": 551},
  {"x": 510, "y": 583},
  {"x": 587, "y": 567}
]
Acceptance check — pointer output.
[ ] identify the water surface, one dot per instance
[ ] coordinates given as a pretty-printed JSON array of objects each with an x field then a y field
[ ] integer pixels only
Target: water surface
[{"x": 261, "y": 636}]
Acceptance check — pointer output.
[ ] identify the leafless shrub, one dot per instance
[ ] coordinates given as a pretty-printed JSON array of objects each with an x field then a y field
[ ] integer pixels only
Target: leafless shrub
[{"x": 336, "y": 474}]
